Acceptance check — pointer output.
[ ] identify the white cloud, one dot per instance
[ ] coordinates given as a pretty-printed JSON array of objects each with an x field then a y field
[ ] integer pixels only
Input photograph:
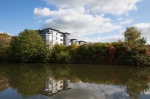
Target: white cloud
[
  {"x": 127, "y": 21},
  {"x": 114, "y": 7},
  {"x": 144, "y": 28},
  {"x": 112, "y": 38},
  {"x": 84, "y": 18},
  {"x": 39, "y": 12},
  {"x": 76, "y": 21}
]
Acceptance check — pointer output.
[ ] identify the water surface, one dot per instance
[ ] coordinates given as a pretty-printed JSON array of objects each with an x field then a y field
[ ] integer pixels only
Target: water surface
[{"x": 44, "y": 81}]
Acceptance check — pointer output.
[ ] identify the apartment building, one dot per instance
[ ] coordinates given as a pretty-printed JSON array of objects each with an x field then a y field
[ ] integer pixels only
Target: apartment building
[
  {"x": 74, "y": 41},
  {"x": 53, "y": 36}
]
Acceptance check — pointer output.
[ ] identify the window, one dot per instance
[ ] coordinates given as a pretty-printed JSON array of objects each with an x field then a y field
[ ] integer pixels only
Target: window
[
  {"x": 56, "y": 38},
  {"x": 61, "y": 35},
  {"x": 56, "y": 33},
  {"x": 61, "y": 39}
]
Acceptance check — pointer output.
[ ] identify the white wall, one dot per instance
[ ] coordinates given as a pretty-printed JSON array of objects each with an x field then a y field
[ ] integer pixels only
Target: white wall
[
  {"x": 56, "y": 37},
  {"x": 53, "y": 37}
]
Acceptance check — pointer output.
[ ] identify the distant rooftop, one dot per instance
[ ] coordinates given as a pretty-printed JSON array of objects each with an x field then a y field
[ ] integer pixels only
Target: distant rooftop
[{"x": 73, "y": 39}]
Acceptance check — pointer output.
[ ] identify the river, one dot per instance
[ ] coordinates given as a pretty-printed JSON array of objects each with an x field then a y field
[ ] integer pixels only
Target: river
[{"x": 73, "y": 81}]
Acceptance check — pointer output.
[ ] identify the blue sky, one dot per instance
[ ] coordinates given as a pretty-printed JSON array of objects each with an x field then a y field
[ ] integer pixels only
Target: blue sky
[{"x": 89, "y": 20}]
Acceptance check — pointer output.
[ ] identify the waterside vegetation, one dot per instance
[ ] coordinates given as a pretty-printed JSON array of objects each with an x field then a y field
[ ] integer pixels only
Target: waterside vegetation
[{"x": 28, "y": 46}]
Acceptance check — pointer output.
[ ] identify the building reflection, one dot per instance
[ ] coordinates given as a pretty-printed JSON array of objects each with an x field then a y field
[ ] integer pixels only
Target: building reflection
[{"x": 53, "y": 86}]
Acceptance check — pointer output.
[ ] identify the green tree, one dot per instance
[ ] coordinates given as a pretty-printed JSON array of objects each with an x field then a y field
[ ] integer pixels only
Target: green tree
[
  {"x": 142, "y": 41},
  {"x": 59, "y": 54},
  {"x": 28, "y": 47},
  {"x": 133, "y": 37},
  {"x": 4, "y": 44}
]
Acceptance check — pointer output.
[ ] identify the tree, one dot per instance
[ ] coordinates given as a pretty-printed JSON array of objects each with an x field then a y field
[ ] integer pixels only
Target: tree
[
  {"x": 133, "y": 37},
  {"x": 60, "y": 54},
  {"x": 142, "y": 41},
  {"x": 28, "y": 46},
  {"x": 4, "y": 44}
]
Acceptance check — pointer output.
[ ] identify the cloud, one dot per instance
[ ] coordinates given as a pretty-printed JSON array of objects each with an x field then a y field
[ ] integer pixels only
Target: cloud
[
  {"x": 111, "y": 38},
  {"x": 39, "y": 12},
  {"x": 114, "y": 7},
  {"x": 85, "y": 18},
  {"x": 76, "y": 21},
  {"x": 127, "y": 21},
  {"x": 144, "y": 28}
]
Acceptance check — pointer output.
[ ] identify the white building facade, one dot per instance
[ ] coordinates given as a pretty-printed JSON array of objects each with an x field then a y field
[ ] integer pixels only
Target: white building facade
[{"x": 53, "y": 36}]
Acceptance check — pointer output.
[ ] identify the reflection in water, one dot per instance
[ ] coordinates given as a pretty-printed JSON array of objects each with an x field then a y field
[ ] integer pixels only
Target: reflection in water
[
  {"x": 3, "y": 83},
  {"x": 83, "y": 81},
  {"x": 53, "y": 86},
  {"x": 82, "y": 90}
]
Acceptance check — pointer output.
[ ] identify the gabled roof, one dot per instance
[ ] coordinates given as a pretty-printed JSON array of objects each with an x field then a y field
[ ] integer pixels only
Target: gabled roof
[
  {"x": 56, "y": 30},
  {"x": 50, "y": 29}
]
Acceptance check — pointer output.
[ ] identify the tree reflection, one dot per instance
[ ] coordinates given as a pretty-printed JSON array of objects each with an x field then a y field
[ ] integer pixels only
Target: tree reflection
[
  {"x": 33, "y": 79},
  {"x": 3, "y": 83},
  {"x": 27, "y": 79},
  {"x": 134, "y": 79},
  {"x": 3, "y": 80}
]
